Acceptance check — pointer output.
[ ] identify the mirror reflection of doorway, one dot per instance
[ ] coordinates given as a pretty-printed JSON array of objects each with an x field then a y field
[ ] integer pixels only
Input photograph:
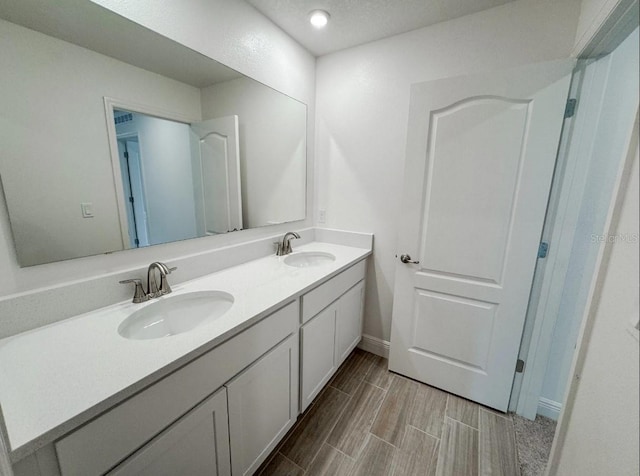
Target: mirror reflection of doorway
[{"x": 129, "y": 153}]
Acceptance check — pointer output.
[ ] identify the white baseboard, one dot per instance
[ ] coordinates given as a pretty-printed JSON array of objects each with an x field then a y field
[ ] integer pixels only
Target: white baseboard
[
  {"x": 549, "y": 408},
  {"x": 374, "y": 345}
]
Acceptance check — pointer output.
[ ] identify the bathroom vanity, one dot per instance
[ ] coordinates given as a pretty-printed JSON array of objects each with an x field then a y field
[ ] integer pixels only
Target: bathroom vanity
[{"x": 82, "y": 399}]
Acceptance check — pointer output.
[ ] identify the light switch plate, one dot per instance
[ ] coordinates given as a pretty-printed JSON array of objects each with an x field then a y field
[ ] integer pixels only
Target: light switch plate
[{"x": 87, "y": 209}]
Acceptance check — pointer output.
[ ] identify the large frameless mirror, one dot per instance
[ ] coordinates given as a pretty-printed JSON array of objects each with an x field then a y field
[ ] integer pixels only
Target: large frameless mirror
[{"x": 114, "y": 137}]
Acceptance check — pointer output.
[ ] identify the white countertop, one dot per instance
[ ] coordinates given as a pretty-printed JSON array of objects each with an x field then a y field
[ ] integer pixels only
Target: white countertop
[{"x": 57, "y": 377}]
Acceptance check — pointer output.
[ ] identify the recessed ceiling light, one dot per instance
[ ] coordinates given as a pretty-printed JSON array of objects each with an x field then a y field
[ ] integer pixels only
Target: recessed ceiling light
[{"x": 319, "y": 18}]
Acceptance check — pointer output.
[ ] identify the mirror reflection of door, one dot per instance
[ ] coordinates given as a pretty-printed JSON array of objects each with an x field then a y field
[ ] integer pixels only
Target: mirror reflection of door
[
  {"x": 129, "y": 153},
  {"x": 218, "y": 159}
]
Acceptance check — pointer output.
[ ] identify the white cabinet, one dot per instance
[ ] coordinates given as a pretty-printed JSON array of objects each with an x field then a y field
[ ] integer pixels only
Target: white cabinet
[
  {"x": 349, "y": 322},
  {"x": 102, "y": 443},
  {"x": 263, "y": 406},
  {"x": 332, "y": 327},
  {"x": 223, "y": 412},
  {"x": 197, "y": 445},
  {"x": 317, "y": 338}
]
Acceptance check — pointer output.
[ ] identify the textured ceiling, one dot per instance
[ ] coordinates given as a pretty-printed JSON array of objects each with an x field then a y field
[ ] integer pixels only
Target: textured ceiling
[{"x": 354, "y": 22}]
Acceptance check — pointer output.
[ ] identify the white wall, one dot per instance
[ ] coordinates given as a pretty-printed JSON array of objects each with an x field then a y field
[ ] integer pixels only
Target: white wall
[
  {"x": 52, "y": 122},
  {"x": 165, "y": 157},
  {"x": 273, "y": 181},
  {"x": 231, "y": 32},
  {"x": 362, "y": 110},
  {"x": 594, "y": 14},
  {"x": 603, "y": 426},
  {"x": 617, "y": 101}
]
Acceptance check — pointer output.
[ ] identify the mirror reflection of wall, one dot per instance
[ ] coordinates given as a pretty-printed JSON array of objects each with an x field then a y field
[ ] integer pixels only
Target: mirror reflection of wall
[
  {"x": 273, "y": 131},
  {"x": 59, "y": 162},
  {"x": 155, "y": 165}
]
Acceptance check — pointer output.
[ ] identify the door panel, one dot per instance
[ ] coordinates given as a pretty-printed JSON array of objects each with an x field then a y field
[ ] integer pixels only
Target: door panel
[
  {"x": 480, "y": 157},
  {"x": 213, "y": 156},
  {"x": 126, "y": 186},
  {"x": 220, "y": 174},
  {"x": 458, "y": 134},
  {"x": 137, "y": 192},
  {"x": 462, "y": 339}
]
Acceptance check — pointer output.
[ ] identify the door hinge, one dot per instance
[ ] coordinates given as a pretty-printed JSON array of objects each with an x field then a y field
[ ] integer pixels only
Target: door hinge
[
  {"x": 570, "y": 108},
  {"x": 126, "y": 155},
  {"x": 519, "y": 366},
  {"x": 136, "y": 241},
  {"x": 131, "y": 199},
  {"x": 543, "y": 249}
]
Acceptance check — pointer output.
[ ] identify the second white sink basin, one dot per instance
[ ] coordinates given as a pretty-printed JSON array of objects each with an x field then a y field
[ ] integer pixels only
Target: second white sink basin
[
  {"x": 305, "y": 259},
  {"x": 175, "y": 314}
]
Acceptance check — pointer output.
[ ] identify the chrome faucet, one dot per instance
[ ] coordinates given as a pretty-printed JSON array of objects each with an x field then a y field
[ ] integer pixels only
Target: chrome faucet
[
  {"x": 153, "y": 289},
  {"x": 284, "y": 247}
]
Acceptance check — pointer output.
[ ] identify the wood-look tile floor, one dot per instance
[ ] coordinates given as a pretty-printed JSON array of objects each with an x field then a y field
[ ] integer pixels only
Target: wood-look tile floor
[{"x": 368, "y": 421}]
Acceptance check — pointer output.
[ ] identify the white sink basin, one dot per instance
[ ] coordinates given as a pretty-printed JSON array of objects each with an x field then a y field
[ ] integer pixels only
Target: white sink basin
[
  {"x": 173, "y": 315},
  {"x": 305, "y": 259}
]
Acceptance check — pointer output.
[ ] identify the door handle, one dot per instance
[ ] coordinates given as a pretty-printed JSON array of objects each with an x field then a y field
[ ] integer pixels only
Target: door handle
[{"x": 407, "y": 259}]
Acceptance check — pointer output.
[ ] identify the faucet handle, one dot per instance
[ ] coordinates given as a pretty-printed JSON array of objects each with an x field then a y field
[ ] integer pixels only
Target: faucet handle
[
  {"x": 139, "y": 294},
  {"x": 278, "y": 248}
]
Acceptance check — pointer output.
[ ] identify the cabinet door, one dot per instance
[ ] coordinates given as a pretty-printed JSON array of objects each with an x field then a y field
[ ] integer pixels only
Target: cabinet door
[
  {"x": 317, "y": 356},
  {"x": 349, "y": 322},
  {"x": 263, "y": 406},
  {"x": 197, "y": 444}
]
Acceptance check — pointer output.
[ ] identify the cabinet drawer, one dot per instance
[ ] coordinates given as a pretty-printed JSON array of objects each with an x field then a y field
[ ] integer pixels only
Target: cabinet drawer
[
  {"x": 315, "y": 301},
  {"x": 105, "y": 441}
]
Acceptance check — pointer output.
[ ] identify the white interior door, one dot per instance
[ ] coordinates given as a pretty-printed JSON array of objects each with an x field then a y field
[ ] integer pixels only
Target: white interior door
[
  {"x": 137, "y": 191},
  {"x": 480, "y": 158},
  {"x": 132, "y": 181},
  {"x": 126, "y": 185},
  {"x": 220, "y": 173}
]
